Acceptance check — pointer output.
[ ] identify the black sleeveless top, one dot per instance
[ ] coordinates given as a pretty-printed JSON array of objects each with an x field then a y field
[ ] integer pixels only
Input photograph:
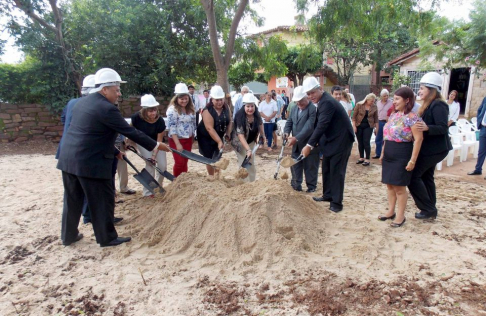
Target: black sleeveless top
[{"x": 207, "y": 146}]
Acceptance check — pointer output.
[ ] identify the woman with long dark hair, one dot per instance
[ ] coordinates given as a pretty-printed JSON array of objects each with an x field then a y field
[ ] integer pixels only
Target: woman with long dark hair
[
  {"x": 216, "y": 123},
  {"x": 454, "y": 108},
  {"x": 435, "y": 147},
  {"x": 248, "y": 125},
  {"x": 402, "y": 142}
]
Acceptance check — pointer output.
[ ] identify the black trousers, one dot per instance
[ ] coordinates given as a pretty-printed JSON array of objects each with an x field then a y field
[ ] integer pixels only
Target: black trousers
[
  {"x": 364, "y": 137},
  {"x": 333, "y": 174},
  {"x": 99, "y": 193},
  {"x": 309, "y": 166},
  {"x": 422, "y": 184}
]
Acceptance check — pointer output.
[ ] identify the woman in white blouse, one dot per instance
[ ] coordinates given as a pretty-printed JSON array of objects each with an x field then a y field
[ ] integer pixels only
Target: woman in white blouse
[
  {"x": 454, "y": 108},
  {"x": 182, "y": 124}
]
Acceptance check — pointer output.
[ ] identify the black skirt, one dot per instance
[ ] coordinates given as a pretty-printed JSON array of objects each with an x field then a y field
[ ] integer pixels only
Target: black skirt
[{"x": 395, "y": 158}]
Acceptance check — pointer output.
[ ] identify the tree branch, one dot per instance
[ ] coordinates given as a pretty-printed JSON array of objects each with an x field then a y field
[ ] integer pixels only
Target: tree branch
[
  {"x": 230, "y": 45},
  {"x": 208, "y": 6},
  {"x": 33, "y": 16}
]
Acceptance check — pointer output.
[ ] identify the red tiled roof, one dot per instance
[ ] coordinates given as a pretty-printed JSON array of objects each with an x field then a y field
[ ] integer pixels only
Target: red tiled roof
[
  {"x": 297, "y": 28},
  {"x": 407, "y": 55}
]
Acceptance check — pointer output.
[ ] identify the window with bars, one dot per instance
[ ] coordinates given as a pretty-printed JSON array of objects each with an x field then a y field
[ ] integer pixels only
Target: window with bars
[{"x": 415, "y": 77}]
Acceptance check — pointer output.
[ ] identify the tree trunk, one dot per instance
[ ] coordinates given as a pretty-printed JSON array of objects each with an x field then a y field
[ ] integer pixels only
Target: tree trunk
[{"x": 222, "y": 62}]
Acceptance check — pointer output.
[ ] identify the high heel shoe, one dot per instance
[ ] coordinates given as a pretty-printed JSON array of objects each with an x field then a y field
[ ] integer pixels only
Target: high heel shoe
[
  {"x": 384, "y": 218},
  {"x": 395, "y": 225}
]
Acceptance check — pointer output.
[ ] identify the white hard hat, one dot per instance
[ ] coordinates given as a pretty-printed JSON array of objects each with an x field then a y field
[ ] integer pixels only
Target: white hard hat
[
  {"x": 89, "y": 81},
  {"x": 181, "y": 88},
  {"x": 299, "y": 93},
  {"x": 216, "y": 92},
  {"x": 432, "y": 80},
  {"x": 248, "y": 98},
  {"x": 148, "y": 101},
  {"x": 106, "y": 77},
  {"x": 309, "y": 84}
]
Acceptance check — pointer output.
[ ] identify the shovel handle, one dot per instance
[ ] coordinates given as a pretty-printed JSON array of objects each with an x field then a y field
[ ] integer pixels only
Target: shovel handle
[{"x": 131, "y": 165}]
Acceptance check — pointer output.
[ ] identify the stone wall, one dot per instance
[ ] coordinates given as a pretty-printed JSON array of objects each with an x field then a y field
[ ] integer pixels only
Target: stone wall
[{"x": 21, "y": 122}]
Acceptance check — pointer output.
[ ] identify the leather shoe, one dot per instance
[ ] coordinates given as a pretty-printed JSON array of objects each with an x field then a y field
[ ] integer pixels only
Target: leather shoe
[
  {"x": 335, "y": 209},
  {"x": 474, "y": 173},
  {"x": 297, "y": 189},
  {"x": 117, "y": 220},
  {"x": 78, "y": 238},
  {"x": 422, "y": 215},
  {"x": 310, "y": 190},
  {"x": 116, "y": 242},
  {"x": 321, "y": 199},
  {"x": 375, "y": 157},
  {"x": 129, "y": 192}
]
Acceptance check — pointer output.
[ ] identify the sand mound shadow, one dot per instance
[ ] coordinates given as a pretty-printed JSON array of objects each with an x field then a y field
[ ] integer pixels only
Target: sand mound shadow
[{"x": 218, "y": 221}]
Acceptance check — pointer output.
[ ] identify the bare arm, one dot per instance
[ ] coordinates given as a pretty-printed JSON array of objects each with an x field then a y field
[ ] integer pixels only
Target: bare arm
[
  {"x": 418, "y": 137},
  {"x": 209, "y": 124}
]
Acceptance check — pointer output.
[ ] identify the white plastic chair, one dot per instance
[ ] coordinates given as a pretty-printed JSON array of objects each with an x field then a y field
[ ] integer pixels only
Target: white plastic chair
[
  {"x": 469, "y": 142},
  {"x": 456, "y": 140},
  {"x": 474, "y": 121},
  {"x": 281, "y": 127},
  {"x": 465, "y": 125}
]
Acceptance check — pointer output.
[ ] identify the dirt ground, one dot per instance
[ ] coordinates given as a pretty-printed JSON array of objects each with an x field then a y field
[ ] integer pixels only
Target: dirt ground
[{"x": 226, "y": 247}]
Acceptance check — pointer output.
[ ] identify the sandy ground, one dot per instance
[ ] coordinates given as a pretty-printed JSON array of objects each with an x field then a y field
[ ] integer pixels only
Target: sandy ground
[{"x": 221, "y": 247}]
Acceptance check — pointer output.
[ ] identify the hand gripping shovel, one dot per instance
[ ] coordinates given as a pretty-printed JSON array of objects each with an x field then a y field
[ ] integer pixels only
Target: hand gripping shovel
[
  {"x": 279, "y": 159},
  {"x": 219, "y": 155},
  {"x": 145, "y": 178},
  {"x": 164, "y": 173},
  {"x": 246, "y": 162}
]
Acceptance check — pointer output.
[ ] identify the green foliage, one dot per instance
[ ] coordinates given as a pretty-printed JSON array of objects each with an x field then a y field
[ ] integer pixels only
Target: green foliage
[
  {"x": 241, "y": 73},
  {"x": 400, "y": 80},
  {"x": 459, "y": 43},
  {"x": 301, "y": 60},
  {"x": 358, "y": 33}
]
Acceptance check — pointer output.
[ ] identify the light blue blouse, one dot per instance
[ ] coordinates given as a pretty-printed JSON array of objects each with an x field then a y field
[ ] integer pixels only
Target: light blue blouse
[{"x": 182, "y": 125}]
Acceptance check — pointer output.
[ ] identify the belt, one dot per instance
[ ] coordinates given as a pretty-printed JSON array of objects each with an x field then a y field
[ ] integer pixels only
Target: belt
[{"x": 383, "y": 121}]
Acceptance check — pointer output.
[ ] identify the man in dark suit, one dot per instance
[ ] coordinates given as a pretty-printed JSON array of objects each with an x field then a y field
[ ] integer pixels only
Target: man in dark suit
[
  {"x": 334, "y": 135},
  {"x": 86, "y": 160},
  {"x": 301, "y": 123},
  {"x": 482, "y": 140}
]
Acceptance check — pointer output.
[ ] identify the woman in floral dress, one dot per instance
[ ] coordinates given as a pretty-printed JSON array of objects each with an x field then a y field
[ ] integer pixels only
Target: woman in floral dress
[{"x": 402, "y": 142}]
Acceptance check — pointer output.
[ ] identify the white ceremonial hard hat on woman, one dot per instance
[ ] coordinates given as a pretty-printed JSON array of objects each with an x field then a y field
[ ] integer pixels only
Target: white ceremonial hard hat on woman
[
  {"x": 181, "y": 88},
  {"x": 216, "y": 92},
  {"x": 432, "y": 80},
  {"x": 148, "y": 101},
  {"x": 248, "y": 98}
]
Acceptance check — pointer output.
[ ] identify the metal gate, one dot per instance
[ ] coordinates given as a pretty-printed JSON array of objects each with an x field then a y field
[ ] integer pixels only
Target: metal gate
[{"x": 360, "y": 86}]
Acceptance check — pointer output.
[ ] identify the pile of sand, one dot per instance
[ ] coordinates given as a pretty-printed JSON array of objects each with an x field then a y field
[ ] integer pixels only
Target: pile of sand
[
  {"x": 226, "y": 221},
  {"x": 242, "y": 173}
]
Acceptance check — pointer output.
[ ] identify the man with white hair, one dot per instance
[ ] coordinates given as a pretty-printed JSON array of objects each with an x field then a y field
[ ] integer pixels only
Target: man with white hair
[
  {"x": 335, "y": 136},
  {"x": 239, "y": 102},
  {"x": 86, "y": 160},
  {"x": 384, "y": 104}
]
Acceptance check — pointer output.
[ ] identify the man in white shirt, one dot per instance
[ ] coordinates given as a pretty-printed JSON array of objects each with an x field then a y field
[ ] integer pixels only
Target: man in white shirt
[
  {"x": 195, "y": 100},
  {"x": 268, "y": 110},
  {"x": 207, "y": 98},
  {"x": 239, "y": 102}
]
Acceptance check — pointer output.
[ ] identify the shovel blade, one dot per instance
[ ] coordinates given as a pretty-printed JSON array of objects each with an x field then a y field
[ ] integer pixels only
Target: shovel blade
[
  {"x": 168, "y": 175},
  {"x": 146, "y": 179}
]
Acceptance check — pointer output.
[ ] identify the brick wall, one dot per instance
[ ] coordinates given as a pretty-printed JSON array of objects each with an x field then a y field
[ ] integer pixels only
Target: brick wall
[{"x": 21, "y": 122}]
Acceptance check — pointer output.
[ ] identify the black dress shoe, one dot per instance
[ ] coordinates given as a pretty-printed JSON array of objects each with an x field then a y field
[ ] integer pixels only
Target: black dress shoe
[
  {"x": 117, "y": 220},
  {"x": 425, "y": 215},
  {"x": 116, "y": 242},
  {"x": 375, "y": 157},
  {"x": 335, "y": 209},
  {"x": 474, "y": 173},
  {"x": 129, "y": 192},
  {"x": 359, "y": 161},
  {"x": 297, "y": 189},
  {"x": 310, "y": 190},
  {"x": 384, "y": 218},
  {"x": 78, "y": 238},
  {"x": 321, "y": 199}
]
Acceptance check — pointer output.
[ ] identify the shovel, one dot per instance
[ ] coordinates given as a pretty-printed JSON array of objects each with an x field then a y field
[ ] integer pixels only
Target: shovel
[
  {"x": 279, "y": 158},
  {"x": 246, "y": 162},
  {"x": 164, "y": 173},
  {"x": 219, "y": 155},
  {"x": 292, "y": 162},
  {"x": 195, "y": 157},
  {"x": 145, "y": 178}
]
